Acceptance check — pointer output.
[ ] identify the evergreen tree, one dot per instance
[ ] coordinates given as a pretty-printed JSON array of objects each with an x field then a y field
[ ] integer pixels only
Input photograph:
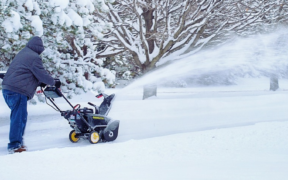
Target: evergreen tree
[{"x": 69, "y": 30}]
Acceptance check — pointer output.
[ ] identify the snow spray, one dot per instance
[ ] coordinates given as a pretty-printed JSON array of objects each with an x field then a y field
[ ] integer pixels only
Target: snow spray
[{"x": 256, "y": 56}]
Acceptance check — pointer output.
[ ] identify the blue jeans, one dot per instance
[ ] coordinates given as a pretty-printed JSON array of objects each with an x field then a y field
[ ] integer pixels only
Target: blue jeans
[{"x": 18, "y": 117}]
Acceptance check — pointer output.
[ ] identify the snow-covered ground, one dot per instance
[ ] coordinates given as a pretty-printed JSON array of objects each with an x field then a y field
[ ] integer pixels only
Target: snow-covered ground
[{"x": 237, "y": 132}]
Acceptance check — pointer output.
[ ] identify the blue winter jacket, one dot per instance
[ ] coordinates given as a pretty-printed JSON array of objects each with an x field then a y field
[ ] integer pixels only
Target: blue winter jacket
[{"x": 26, "y": 70}]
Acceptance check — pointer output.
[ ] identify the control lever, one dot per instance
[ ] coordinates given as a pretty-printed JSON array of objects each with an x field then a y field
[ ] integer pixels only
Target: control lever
[{"x": 96, "y": 108}]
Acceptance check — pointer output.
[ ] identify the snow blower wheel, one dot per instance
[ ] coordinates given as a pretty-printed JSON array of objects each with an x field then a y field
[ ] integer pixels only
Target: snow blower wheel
[
  {"x": 72, "y": 137},
  {"x": 94, "y": 137}
]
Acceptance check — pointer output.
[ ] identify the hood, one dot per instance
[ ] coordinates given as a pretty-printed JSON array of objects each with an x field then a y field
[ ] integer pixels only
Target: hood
[{"x": 36, "y": 44}]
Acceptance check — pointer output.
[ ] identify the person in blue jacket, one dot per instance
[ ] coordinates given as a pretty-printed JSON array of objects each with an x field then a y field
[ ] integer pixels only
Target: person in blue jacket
[{"x": 24, "y": 74}]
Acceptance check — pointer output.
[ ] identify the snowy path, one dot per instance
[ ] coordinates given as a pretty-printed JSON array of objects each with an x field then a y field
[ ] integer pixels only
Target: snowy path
[
  {"x": 217, "y": 133},
  {"x": 172, "y": 111}
]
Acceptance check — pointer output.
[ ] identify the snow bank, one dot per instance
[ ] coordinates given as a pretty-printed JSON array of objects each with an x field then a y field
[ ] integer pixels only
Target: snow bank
[{"x": 251, "y": 152}]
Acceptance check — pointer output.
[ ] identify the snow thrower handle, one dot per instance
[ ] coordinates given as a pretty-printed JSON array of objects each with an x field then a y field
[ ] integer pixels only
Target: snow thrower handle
[
  {"x": 52, "y": 92},
  {"x": 96, "y": 108},
  {"x": 75, "y": 107},
  {"x": 91, "y": 104}
]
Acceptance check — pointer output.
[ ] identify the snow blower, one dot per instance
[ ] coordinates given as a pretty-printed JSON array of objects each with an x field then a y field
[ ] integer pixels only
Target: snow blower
[{"x": 86, "y": 123}]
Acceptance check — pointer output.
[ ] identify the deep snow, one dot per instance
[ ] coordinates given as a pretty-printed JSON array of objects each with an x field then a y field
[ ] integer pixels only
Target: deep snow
[{"x": 235, "y": 132}]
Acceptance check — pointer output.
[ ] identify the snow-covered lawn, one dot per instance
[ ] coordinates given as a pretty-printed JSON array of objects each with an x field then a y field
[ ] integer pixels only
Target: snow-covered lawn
[{"x": 237, "y": 132}]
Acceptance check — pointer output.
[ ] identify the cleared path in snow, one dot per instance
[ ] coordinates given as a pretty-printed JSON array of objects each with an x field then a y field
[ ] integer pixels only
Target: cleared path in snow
[{"x": 172, "y": 111}]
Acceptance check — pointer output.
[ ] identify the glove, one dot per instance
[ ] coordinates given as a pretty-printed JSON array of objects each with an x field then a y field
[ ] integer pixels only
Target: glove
[
  {"x": 57, "y": 83},
  {"x": 43, "y": 85}
]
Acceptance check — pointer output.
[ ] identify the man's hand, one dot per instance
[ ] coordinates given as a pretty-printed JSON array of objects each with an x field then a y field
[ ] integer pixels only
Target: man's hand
[
  {"x": 43, "y": 85},
  {"x": 57, "y": 83}
]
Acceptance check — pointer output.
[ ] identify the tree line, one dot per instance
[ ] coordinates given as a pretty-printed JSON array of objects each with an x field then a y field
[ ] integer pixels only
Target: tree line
[{"x": 96, "y": 40}]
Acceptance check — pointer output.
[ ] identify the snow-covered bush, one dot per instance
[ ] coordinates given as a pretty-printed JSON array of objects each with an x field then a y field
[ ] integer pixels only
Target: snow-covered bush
[
  {"x": 72, "y": 54},
  {"x": 123, "y": 65},
  {"x": 70, "y": 32},
  {"x": 126, "y": 75}
]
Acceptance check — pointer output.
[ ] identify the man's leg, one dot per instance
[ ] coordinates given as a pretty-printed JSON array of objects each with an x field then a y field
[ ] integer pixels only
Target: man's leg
[
  {"x": 18, "y": 118},
  {"x": 24, "y": 100}
]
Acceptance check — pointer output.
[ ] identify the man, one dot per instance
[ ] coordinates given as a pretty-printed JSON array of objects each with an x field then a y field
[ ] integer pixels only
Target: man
[{"x": 25, "y": 73}]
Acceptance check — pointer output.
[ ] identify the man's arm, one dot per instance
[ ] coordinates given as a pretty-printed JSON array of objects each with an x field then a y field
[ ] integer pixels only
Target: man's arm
[{"x": 40, "y": 73}]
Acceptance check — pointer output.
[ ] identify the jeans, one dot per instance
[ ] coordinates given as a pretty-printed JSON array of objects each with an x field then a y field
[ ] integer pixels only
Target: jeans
[{"x": 18, "y": 117}]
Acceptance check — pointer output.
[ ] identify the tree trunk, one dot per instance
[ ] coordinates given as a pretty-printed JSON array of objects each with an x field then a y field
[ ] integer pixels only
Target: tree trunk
[
  {"x": 70, "y": 40},
  {"x": 274, "y": 85},
  {"x": 148, "y": 17}
]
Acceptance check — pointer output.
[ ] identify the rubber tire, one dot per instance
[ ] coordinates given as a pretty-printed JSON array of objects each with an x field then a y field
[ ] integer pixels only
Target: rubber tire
[
  {"x": 94, "y": 137},
  {"x": 72, "y": 137}
]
